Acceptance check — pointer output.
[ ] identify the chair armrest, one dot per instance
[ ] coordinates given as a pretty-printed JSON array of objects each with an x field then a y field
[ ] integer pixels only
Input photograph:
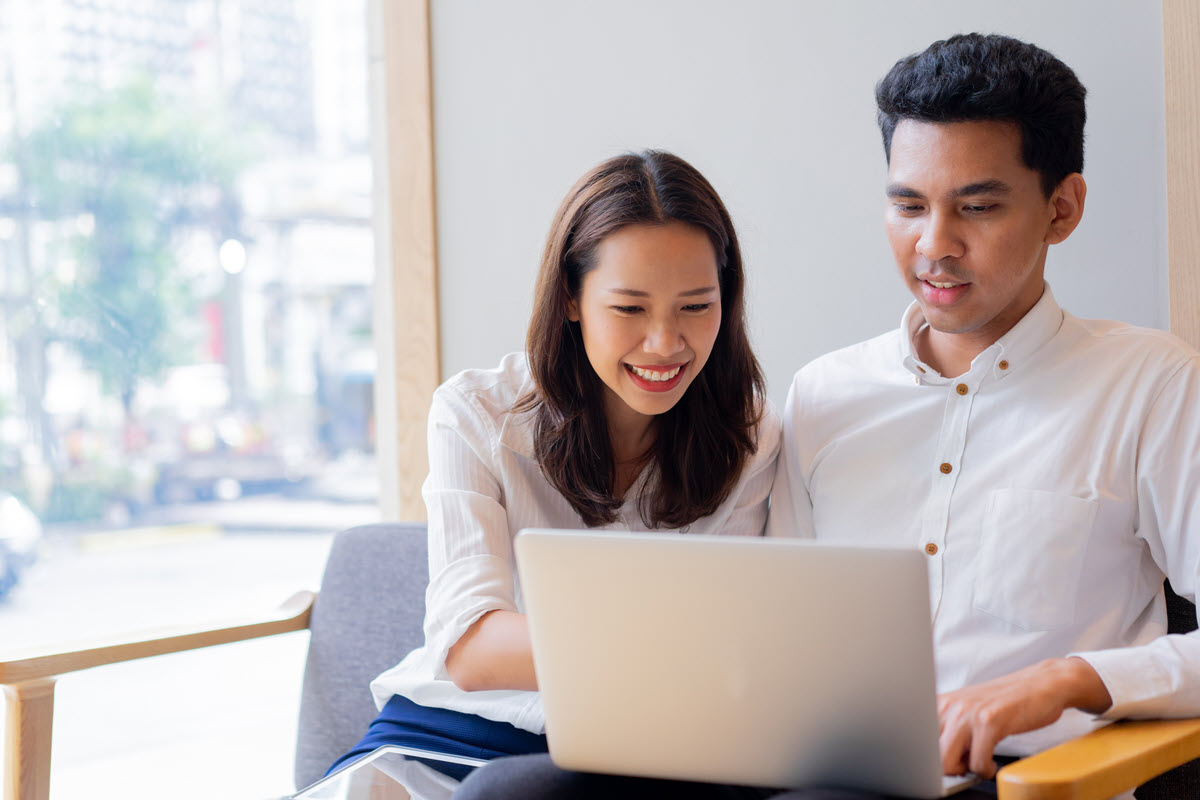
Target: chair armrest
[
  {"x": 36, "y": 663},
  {"x": 1103, "y": 763}
]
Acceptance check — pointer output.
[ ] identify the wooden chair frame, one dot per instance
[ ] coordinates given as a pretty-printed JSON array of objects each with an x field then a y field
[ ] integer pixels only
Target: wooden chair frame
[{"x": 28, "y": 677}]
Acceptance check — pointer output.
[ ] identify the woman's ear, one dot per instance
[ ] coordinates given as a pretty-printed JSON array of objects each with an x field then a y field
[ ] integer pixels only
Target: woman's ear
[
  {"x": 1067, "y": 205},
  {"x": 573, "y": 310}
]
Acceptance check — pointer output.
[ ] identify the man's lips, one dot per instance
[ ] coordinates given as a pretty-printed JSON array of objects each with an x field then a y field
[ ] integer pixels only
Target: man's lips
[{"x": 943, "y": 292}]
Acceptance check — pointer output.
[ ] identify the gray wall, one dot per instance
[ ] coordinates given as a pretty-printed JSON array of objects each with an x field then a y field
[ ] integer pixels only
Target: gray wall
[{"x": 772, "y": 100}]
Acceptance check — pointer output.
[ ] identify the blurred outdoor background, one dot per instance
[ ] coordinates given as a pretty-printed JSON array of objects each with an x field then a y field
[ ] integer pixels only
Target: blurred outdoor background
[{"x": 186, "y": 361}]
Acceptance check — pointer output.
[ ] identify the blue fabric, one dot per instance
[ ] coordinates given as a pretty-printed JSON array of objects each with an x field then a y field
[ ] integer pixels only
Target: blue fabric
[{"x": 403, "y": 722}]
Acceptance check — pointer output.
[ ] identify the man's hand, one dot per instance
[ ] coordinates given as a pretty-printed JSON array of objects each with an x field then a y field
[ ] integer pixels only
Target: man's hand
[{"x": 975, "y": 718}]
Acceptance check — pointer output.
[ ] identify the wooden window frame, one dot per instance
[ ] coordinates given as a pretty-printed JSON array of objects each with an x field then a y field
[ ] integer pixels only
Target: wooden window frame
[
  {"x": 1181, "y": 74},
  {"x": 407, "y": 336}
]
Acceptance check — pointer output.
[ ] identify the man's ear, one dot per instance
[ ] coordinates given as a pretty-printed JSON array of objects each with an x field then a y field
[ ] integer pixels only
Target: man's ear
[
  {"x": 573, "y": 310},
  {"x": 1067, "y": 205}
]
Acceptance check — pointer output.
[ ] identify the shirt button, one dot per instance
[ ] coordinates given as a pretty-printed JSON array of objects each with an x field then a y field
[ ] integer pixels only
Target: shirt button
[
  {"x": 1003, "y": 365},
  {"x": 961, "y": 388},
  {"x": 946, "y": 469},
  {"x": 931, "y": 549}
]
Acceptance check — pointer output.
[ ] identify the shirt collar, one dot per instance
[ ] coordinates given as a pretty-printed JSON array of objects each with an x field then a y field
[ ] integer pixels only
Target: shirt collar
[{"x": 1007, "y": 355}]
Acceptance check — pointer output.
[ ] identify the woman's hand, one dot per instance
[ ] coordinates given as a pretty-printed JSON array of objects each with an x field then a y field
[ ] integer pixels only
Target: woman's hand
[{"x": 494, "y": 653}]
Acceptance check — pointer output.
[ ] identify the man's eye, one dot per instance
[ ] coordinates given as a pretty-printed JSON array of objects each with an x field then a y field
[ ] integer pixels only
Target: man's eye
[
  {"x": 908, "y": 208},
  {"x": 979, "y": 208},
  {"x": 697, "y": 307}
]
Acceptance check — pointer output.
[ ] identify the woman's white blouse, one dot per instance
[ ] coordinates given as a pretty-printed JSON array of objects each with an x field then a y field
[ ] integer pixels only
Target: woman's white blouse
[{"x": 484, "y": 486}]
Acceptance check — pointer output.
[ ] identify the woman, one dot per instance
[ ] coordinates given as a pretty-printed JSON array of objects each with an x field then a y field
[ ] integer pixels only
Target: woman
[{"x": 637, "y": 406}]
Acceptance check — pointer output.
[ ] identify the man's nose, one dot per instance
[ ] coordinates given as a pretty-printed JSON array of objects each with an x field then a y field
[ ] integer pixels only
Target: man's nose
[{"x": 940, "y": 238}]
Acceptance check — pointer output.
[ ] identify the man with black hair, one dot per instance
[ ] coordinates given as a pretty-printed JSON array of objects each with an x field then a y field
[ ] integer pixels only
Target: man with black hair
[{"x": 1049, "y": 466}]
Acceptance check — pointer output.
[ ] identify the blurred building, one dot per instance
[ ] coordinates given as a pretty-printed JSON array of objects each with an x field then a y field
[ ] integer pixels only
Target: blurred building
[{"x": 289, "y": 318}]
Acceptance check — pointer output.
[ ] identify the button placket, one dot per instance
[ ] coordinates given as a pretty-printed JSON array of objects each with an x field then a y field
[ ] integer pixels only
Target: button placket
[{"x": 952, "y": 439}]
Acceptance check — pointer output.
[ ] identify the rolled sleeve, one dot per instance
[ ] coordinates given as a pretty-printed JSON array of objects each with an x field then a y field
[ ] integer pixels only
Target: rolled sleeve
[
  {"x": 471, "y": 568},
  {"x": 1162, "y": 677}
]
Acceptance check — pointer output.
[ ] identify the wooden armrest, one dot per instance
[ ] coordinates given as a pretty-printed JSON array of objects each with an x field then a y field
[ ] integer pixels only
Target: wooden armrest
[
  {"x": 1103, "y": 763},
  {"x": 37, "y": 663}
]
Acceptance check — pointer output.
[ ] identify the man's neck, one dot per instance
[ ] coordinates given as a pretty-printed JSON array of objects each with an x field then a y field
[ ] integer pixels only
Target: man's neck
[{"x": 950, "y": 354}]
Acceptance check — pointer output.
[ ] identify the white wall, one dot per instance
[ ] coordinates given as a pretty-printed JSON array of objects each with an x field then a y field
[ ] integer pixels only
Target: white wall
[{"x": 773, "y": 101}]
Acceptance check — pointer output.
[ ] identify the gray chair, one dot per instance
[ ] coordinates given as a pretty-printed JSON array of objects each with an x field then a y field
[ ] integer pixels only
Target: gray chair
[{"x": 368, "y": 615}]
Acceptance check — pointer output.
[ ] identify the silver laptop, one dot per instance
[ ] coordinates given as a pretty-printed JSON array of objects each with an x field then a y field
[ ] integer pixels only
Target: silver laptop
[{"x": 760, "y": 662}]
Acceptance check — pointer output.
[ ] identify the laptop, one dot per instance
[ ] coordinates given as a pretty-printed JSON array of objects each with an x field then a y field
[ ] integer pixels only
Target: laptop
[{"x": 759, "y": 662}]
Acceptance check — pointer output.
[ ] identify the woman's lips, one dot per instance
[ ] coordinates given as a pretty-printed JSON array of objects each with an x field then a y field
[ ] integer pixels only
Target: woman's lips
[{"x": 654, "y": 378}]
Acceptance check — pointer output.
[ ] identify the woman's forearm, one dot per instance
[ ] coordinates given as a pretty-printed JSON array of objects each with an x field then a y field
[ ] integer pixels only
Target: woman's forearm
[{"x": 494, "y": 653}]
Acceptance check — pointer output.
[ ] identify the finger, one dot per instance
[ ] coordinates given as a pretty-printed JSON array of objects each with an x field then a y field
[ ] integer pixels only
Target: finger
[
  {"x": 952, "y": 742},
  {"x": 984, "y": 737}
]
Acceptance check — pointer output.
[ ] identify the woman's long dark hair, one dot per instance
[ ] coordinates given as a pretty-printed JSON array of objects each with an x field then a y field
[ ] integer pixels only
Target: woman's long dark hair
[{"x": 704, "y": 441}]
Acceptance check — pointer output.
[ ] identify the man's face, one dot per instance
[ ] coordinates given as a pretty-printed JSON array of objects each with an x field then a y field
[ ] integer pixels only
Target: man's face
[{"x": 968, "y": 225}]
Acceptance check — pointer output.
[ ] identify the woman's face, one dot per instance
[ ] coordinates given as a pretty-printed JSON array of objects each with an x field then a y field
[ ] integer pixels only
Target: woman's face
[{"x": 649, "y": 312}]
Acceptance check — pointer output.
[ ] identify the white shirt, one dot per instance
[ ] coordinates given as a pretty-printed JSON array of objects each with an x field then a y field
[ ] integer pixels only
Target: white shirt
[
  {"x": 1053, "y": 486},
  {"x": 484, "y": 486}
]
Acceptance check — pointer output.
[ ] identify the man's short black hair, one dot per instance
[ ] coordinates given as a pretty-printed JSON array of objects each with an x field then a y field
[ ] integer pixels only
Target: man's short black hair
[{"x": 988, "y": 77}]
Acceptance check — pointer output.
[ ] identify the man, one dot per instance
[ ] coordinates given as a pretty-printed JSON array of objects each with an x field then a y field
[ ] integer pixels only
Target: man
[{"x": 1049, "y": 466}]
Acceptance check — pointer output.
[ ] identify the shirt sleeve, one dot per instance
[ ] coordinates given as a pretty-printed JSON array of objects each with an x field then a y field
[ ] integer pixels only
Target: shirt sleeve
[
  {"x": 1162, "y": 677},
  {"x": 791, "y": 507},
  {"x": 471, "y": 568},
  {"x": 749, "y": 497}
]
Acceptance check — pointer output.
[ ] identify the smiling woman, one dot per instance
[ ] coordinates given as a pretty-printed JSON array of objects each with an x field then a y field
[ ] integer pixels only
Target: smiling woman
[{"x": 637, "y": 406}]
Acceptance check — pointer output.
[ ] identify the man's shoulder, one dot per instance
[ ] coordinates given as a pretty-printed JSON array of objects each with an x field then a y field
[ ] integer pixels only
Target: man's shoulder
[
  {"x": 881, "y": 356},
  {"x": 1119, "y": 342}
]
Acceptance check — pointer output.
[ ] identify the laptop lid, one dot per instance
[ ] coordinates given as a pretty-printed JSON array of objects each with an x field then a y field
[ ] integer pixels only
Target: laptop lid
[{"x": 751, "y": 661}]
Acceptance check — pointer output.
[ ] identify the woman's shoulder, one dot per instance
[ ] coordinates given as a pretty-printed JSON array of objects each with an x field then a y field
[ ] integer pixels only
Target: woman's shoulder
[
  {"x": 768, "y": 435},
  {"x": 486, "y": 401},
  {"x": 491, "y": 391}
]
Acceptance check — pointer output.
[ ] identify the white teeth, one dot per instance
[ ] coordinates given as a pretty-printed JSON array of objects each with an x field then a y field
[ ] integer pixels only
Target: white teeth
[
  {"x": 651, "y": 375},
  {"x": 937, "y": 285}
]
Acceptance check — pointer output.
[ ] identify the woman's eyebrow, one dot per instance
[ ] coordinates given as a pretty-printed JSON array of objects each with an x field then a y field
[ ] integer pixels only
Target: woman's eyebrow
[{"x": 640, "y": 293}]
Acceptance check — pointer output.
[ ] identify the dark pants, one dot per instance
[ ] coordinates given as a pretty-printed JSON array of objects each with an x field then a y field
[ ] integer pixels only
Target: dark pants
[
  {"x": 534, "y": 777},
  {"x": 403, "y": 722}
]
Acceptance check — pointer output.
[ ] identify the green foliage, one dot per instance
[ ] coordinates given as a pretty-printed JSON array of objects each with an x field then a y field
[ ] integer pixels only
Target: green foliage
[{"x": 125, "y": 171}]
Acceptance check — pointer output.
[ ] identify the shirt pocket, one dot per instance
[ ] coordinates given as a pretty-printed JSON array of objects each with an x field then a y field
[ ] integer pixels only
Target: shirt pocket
[{"x": 1031, "y": 559}]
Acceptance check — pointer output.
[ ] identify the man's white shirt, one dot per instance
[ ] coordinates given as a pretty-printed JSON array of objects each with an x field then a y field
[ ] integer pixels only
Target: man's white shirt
[{"x": 1053, "y": 486}]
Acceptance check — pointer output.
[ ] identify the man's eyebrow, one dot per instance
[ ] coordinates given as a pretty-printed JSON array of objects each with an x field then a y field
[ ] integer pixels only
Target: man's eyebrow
[
  {"x": 983, "y": 187},
  {"x": 900, "y": 190}
]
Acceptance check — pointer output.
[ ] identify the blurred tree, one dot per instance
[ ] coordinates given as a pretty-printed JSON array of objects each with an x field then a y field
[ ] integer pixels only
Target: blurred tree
[{"x": 126, "y": 172}]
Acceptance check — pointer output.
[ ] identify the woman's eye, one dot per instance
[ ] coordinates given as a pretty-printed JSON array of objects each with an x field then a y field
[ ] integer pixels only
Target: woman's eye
[
  {"x": 697, "y": 307},
  {"x": 627, "y": 309}
]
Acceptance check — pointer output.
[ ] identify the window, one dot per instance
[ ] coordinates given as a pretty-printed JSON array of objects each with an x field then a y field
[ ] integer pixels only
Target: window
[{"x": 186, "y": 355}]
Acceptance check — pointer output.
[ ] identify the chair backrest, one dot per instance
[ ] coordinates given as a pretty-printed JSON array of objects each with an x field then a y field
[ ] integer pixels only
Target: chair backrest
[
  {"x": 1182, "y": 781},
  {"x": 367, "y": 617}
]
